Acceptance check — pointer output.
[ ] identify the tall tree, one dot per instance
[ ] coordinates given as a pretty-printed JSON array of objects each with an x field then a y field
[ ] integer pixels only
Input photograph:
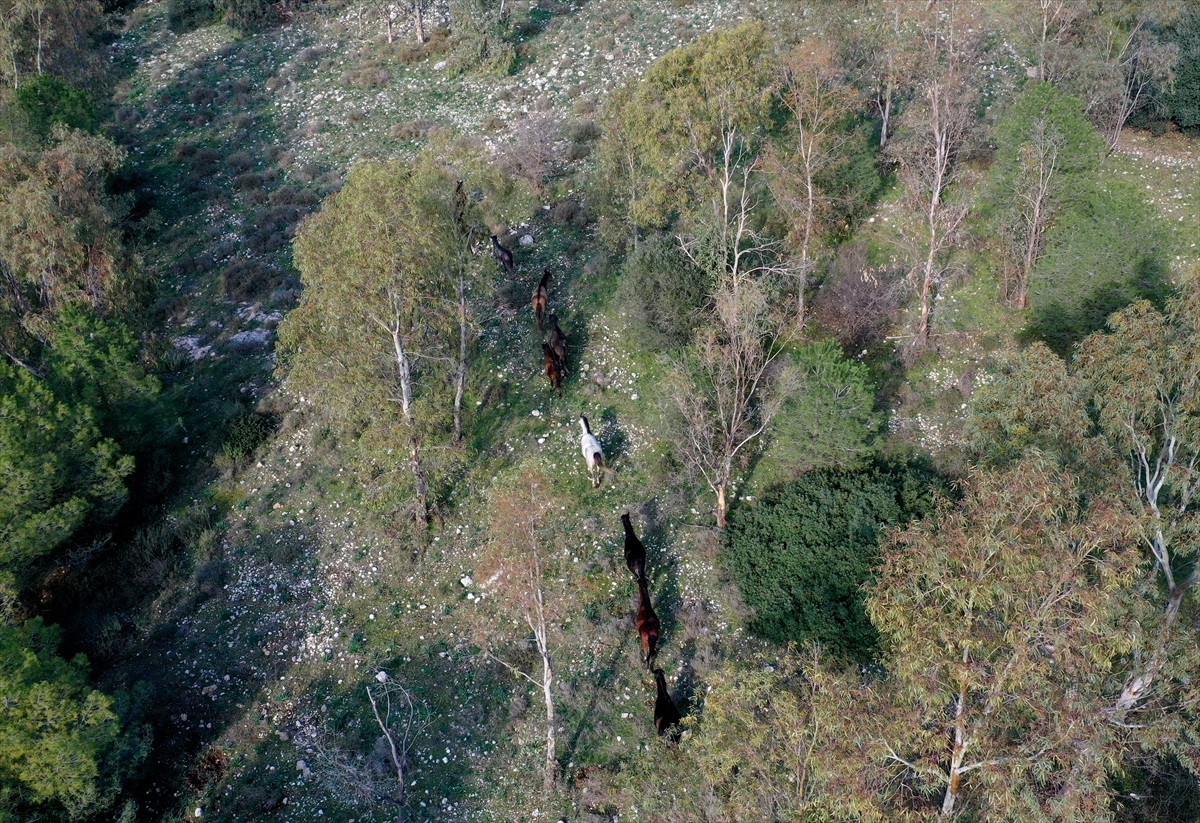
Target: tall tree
[
  {"x": 374, "y": 264},
  {"x": 728, "y": 388},
  {"x": 935, "y": 129},
  {"x": 664, "y": 139},
  {"x": 820, "y": 100},
  {"x": 1002, "y": 618},
  {"x": 1046, "y": 153},
  {"x": 526, "y": 580}
]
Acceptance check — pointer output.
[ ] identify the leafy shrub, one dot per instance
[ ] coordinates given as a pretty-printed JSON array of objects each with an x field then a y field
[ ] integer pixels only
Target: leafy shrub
[
  {"x": 246, "y": 433},
  {"x": 249, "y": 280},
  {"x": 1106, "y": 251},
  {"x": 185, "y": 15},
  {"x": 48, "y": 101},
  {"x": 802, "y": 555},
  {"x": 1182, "y": 102},
  {"x": 829, "y": 420},
  {"x": 245, "y": 14},
  {"x": 662, "y": 293}
]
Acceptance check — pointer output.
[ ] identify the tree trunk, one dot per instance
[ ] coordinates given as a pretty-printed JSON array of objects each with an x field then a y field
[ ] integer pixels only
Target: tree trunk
[
  {"x": 419, "y": 22},
  {"x": 461, "y": 377},
  {"x": 549, "y": 776},
  {"x": 414, "y": 459},
  {"x": 721, "y": 505},
  {"x": 959, "y": 752},
  {"x": 927, "y": 287}
]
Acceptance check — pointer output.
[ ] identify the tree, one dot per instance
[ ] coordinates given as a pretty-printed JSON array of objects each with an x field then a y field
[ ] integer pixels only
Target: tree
[
  {"x": 1122, "y": 419},
  {"x": 58, "y": 237},
  {"x": 58, "y": 474},
  {"x": 1046, "y": 156},
  {"x": 1182, "y": 100},
  {"x": 1002, "y": 618},
  {"x": 935, "y": 130},
  {"x": 801, "y": 555},
  {"x": 374, "y": 264},
  {"x": 54, "y": 730},
  {"x": 828, "y": 419},
  {"x": 664, "y": 138},
  {"x": 820, "y": 101},
  {"x": 527, "y": 581}
]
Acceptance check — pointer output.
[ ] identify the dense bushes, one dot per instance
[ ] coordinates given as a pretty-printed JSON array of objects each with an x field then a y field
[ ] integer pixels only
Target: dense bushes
[
  {"x": 662, "y": 293},
  {"x": 48, "y": 101},
  {"x": 1182, "y": 101},
  {"x": 801, "y": 556}
]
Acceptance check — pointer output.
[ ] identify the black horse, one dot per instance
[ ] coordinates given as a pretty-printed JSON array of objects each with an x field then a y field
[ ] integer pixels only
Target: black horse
[
  {"x": 503, "y": 256},
  {"x": 635, "y": 552}
]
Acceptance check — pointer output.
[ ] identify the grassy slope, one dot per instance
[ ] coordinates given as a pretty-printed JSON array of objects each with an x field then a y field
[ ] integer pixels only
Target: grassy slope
[{"x": 313, "y": 590}]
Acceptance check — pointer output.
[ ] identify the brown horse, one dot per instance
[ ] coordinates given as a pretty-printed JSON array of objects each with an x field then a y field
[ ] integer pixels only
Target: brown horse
[
  {"x": 540, "y": 295},
  {"x": 503, "y": 256},
  {"x": 666, "y": 713},
  {"x": 635, "y": 552},
  {"x": 647, "y": 624},
  {"x": 558, "y": 341},
  {"x": 554, "y": 372}
]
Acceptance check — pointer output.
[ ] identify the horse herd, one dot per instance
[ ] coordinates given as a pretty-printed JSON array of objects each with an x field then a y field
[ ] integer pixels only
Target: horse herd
[{"x": 554, "y": 357}]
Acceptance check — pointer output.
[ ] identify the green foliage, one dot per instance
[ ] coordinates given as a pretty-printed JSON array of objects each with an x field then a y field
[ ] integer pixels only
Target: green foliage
[
  {"x": 54, "y": 730},
  {"x": 93, "y": 363},
  {"x": 48, "y": 101},
  {"x": 802, "y": 555},
  {"x": 853, "y": 182},
  {"x": 245, "y": 14},
  {"x": 57, "y": 471},
  {"x": 481, "y": 37},
  {"x": 662, "y": 293},
  {"x": 185, "y": 15},
  {"x": 663, "y": 134},
  {"x": 1182, "y": 100},
  {"x": 1107, "y": 250},
  {"x": 828, "y": 420},
  {"x": 246, "y": 433},
  {"x": 1082, "y": 149}
]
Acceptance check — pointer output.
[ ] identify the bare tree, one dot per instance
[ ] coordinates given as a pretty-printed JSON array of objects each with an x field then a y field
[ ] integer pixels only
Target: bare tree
[
  {"x": 525, "y": 581},
  {"x": 730, "y": 387},
  {"x": 534, "y": 150},
  {"x": 382, "y": 777},
  {"x": 937, "y": 129},
  {"x": 1034, "y": 208}
]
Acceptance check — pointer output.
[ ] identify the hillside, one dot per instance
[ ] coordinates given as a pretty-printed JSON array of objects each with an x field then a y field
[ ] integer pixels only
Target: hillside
[{"x": 274, "y": 576}]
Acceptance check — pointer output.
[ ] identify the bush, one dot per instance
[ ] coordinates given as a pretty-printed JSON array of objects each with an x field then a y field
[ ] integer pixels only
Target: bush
[
  {"x": 185, "y": 15},
  {"x": 856, "y": 302},
  {"x": 249, "y": 280},
  {"x": 662, "y": 293},
  {"x": 246, "y": 433},
  {"x": 1182, "y": 102},
  {"x": 829, "y": 421},
  {"x": 802, "y": 555},
  {"x": 48, "y": 101},
  {"x": 245, "y": 14},
  {"x": 1108, "y": 250}
]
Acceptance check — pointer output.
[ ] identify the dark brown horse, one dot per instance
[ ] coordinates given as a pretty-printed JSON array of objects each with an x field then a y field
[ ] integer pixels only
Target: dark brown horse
[
  {"x": 554, "y": 372},
  {"x": 558, "y": 341},
  {"x": 635, "y": 552},
  {"x": 503, "y": 256},
  {"x": 647, "y": 624},
  {"x": 540, "y": 295},
  {"x": 666, "y": 714}
]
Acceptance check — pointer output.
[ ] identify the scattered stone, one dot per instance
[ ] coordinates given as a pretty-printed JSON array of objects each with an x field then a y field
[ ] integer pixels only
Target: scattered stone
[
  {"x": 467, "y": 582},
  {"x": 302, "y": 767},
  {"x": 252, "y": 339},
  {"x": 526, "y": 240},
  {"x": 439, "y": 65}
]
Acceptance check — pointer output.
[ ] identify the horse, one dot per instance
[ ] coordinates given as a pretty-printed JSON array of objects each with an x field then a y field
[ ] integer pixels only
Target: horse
[
  {"x": 554, "y": 372},
  {"x": 558, "y": 340},
  {"x": 666, "y": 714},
  {"x": 647, "y": 624},
  {"x": 540, "y": 294},
  {"x": 635, "y": 552},
  {"x": 460, "y": 208},
  {"x": 503, "y": 256},
  {"x": 592, "y": 453}
]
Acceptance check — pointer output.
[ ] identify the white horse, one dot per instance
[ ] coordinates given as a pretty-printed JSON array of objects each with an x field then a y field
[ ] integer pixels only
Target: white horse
[{"x": 593, "y": 455}]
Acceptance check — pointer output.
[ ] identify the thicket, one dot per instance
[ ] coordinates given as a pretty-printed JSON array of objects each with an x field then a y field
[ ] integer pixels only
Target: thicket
[{"x": 802, "y": 555}]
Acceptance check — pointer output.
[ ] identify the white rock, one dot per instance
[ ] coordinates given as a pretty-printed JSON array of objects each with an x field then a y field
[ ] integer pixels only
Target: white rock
[
  {"x": 199, "y": 811},
  {"x": 526, "y": 240},
  {"x": 467, "y": 582},
  {"x": 439, "y": 65},
  {"x": 536, "y": 413},
  {"x": 381, "y": 676}
]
